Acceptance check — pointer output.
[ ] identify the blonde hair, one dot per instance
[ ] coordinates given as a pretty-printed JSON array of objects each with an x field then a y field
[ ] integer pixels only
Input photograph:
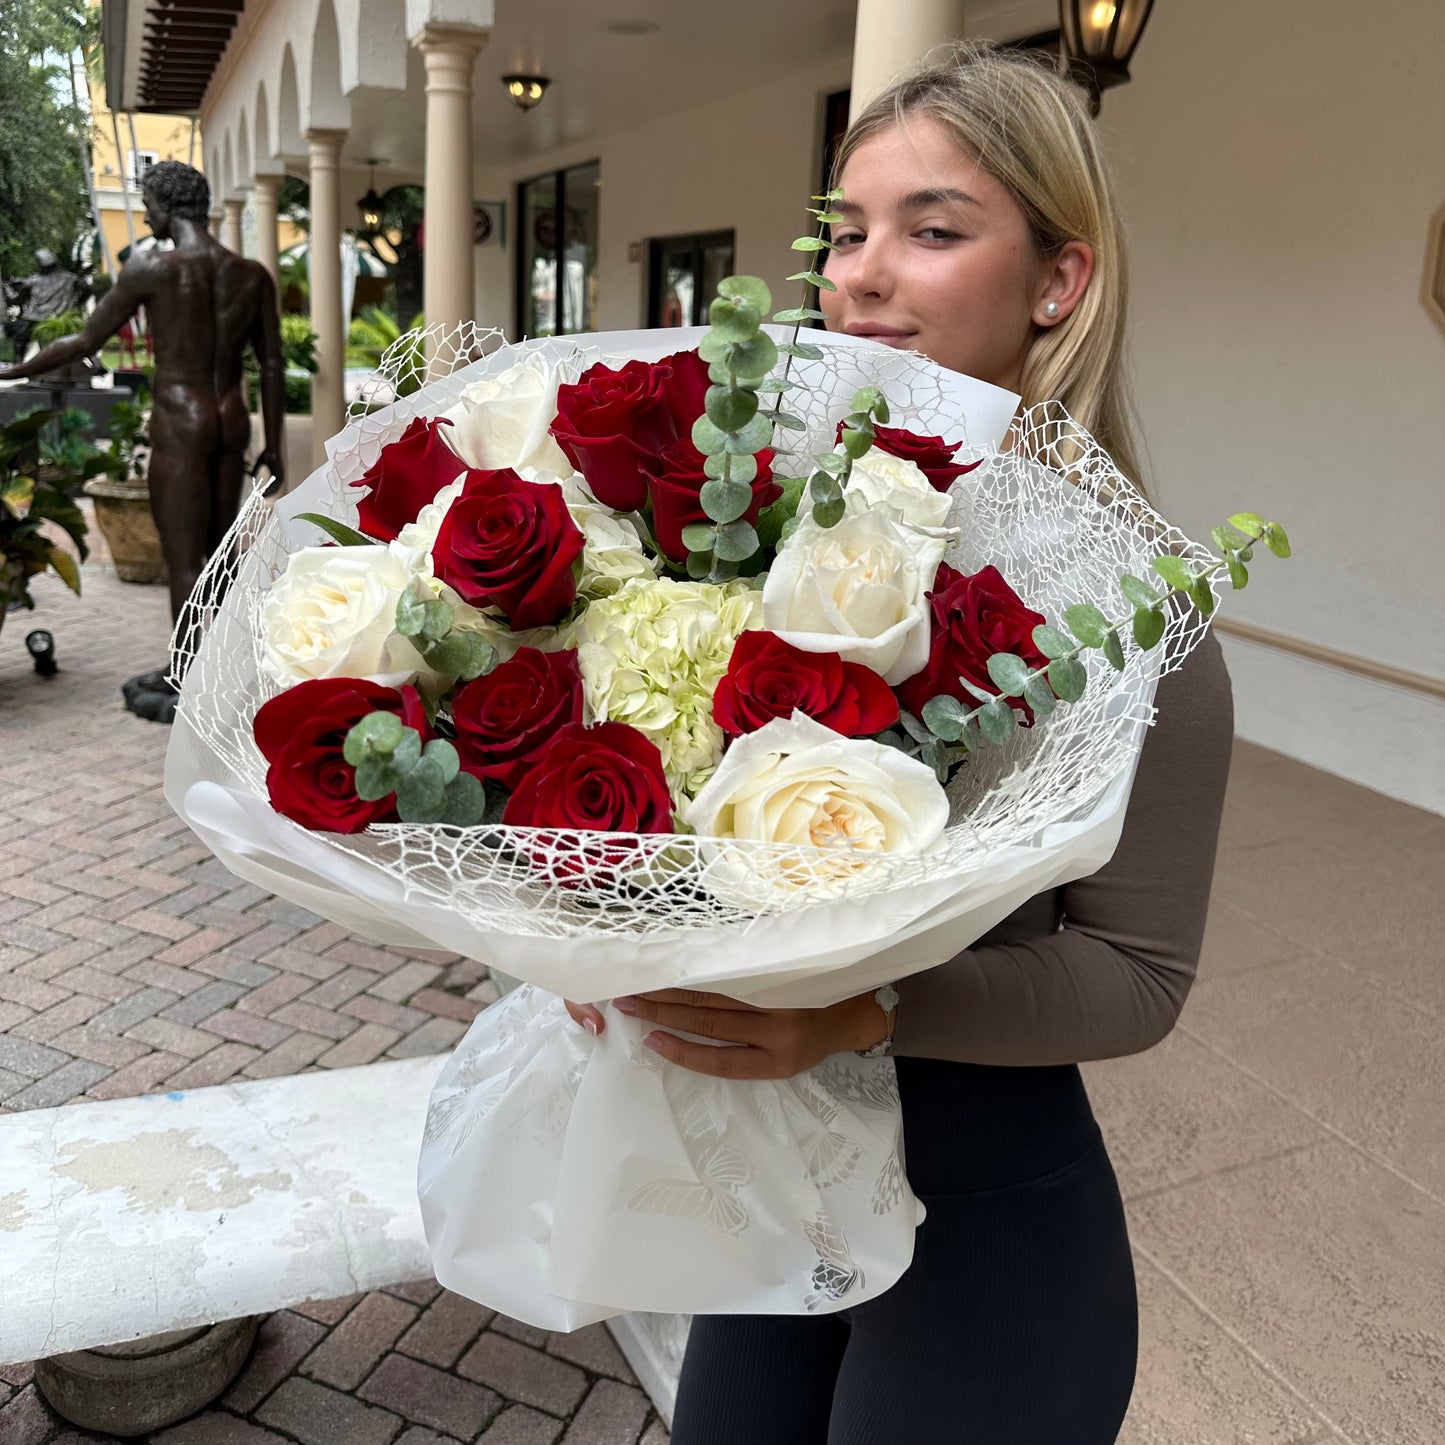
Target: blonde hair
[{"x": 1031, "y": 130}]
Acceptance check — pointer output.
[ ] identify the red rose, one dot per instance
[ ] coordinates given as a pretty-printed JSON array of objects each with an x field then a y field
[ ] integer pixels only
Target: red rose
[
  {"x": 931, "y": 455},
  {"x": 675, "y": 480},
  {"x": 768, "y": 678},
  {"x": 686, "y": 389},
  {"x": 609, "y": 422},
  {"x": 510, "y": 544},
  {"x": 406, "y": 477},
  {"x": 973, "y": 618},
  {"x": 505, "y": 718},
  {"x": 606, "y": 778},
  {"x": 301, "y": 732}
]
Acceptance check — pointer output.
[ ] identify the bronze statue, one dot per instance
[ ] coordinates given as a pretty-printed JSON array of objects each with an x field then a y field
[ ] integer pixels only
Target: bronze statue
[
  {"x": 50, "y": 292},
  {"x": 203, "y": 303}
]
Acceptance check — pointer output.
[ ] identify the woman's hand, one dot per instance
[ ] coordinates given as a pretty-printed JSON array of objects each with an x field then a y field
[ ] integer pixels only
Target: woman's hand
[{"x": 756, "y": 1043}]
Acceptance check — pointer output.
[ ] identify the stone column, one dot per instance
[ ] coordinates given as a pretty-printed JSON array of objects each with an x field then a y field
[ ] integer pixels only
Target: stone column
[
  {"x": 449, "y": 53},
  {"x": 328, "y": 400},
  {"x": 889, "y": 37},
  {"x": 231, "y": 225},
  {"x": 266, "y": 193}
]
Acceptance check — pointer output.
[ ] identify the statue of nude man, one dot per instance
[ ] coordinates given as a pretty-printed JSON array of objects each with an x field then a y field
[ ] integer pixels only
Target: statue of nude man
[{"x": 204, "y": 303}]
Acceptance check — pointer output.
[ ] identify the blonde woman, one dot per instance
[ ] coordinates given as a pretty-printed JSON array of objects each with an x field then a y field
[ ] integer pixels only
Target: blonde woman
[{"x": 980, "y": 229}]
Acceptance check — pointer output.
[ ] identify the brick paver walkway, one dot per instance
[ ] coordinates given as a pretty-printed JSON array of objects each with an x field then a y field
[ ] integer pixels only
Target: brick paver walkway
[{"x": 131, "y": 961}]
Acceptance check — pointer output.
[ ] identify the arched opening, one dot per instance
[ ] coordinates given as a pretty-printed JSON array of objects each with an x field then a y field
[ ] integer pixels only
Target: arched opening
[{"x": 328, "y": 108}]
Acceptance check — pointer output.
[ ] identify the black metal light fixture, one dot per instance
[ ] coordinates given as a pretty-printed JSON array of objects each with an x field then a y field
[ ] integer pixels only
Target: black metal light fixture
[
  {"x": 525, "y": 90},
  {"x": 1099, "y": 39},
  {"x": 41, "y": 646},
  {"x": 370, "y": 204}
]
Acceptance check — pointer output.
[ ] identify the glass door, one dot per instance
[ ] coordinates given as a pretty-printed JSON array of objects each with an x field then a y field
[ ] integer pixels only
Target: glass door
[
  {"x": 683, "y": 275},
  {"x": 557, "y": 252}
]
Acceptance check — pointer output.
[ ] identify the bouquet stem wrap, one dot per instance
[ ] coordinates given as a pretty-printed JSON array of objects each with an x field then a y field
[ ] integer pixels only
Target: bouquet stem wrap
[{"x": 565, "y": 1178}]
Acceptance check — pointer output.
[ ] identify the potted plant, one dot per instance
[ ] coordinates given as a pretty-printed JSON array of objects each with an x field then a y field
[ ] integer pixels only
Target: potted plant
[
  {"x": 122, "y": 497},
  {"x": 31, "y": 496}
]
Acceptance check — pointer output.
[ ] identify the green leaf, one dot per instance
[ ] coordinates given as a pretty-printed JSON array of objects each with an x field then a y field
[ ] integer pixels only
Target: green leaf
[
  {"x": 698, "y": 536},
  {"x": 1009, "y": 672},
  {"x": 722, "y": 465},
  {"x": 936, "y": 756},
  {"x": 734, "y": 321},
  {"x": 811, "y": 243},
  {"x": 1275, "y": 540},
  {"x": 751, "y": 438},
  {"x": 836, "y": 194},
  {"x": 17, "y": 492},
  {"x": 1087, "y": 623},
  {"x": 436, "y": 619},
  {"x": 803, "y": 350},
  {"x": 829, "y": 218},
  {"x": 1175, "y": 571},
  {"x": 824, "y": 488},
  {"x": 66, "y": 567},
  {"x": 746, "y": 288},
  {"x": 1148, "y": 627},
  {"x": 1137, "y": 591},
  {"x": 378, "y": 734},
  {"x": 699, "y": 564},
  {"x": 421, "y": 793},
  {"x": 1201, "y": 596},
  {"x": 725, "y": 501},
  {"x": 869, "y": 399},
  {"x": 1068, "y": 678},
  {"x": 408, "y": 750},
  {"x": 775, "y": 518},
  {"x": 1228, "y": 540},
  {"x": 410, "y": 613},
  {"x": 442, "y": 752},
  {"x": 462, "y": 655},
  {"x": 714, "y": 348},
  {"x": 943, "y": 716},
  {"x": 1250, "y": 523},
  {"x": 1051, "y": 642},
  {"x": 375, "y": 779},
  {"x": 1114, "y": 650},
  {"x": 789, "y": 422},
  {"x": 753, "y": 360},
  {"x": 833, "y": 464},
  {"x": 736, "y": 542},
  {"x": 814, "y": 278},
  {"x": 464, "y": 802},
  {"x": 1040, "y": 696},
  {"x": 915, "y": 729},
  {"x": 997, "y": 720},
  {"x": 1238, "y": 573},
  {"x": 829, "y": 513},
  {"x": 794, "y": 314},
  {"x": 856, "y": 443},
  {"x": 707, "y": 438},
  {"x": 773, "y": 385},
  {"x": 337, "y": 531},
  {"x": 731, "y": 409}
]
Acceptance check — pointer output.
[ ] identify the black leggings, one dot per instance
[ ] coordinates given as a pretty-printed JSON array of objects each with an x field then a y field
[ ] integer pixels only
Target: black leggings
[{"x": 1016, "y": 1321}]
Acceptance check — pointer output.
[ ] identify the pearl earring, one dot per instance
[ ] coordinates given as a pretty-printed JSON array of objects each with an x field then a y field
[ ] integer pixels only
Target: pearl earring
[{"x": 1051, "y": 309}]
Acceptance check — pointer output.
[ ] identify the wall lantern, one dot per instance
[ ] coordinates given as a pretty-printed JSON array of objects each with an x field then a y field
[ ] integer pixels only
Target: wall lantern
[
  {"x": 370, "y": 204},
  {"x": 525, "y": 90},
  {"x": 1099, "y": 37}
]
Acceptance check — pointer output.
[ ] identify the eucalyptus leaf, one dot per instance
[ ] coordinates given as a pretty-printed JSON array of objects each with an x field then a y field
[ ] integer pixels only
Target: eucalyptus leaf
[
  {"x": 1087, "y": 623},
  {"x": 734, "y": 321},
  {"x": 823, "y": 488},
  {"x": 811, "y": 243},
  {"x": 1114, "y": 650},
  {"x": 1148, "y": 627},
  {"x": 1238, "y": 573},
  {"x": 803, "y": 350},
  {"x": 997, "y": 720},
  {"x": 1276, "y": 541},
  {"x": 408, "y": 750},
  {"x": 436, "y": 619},
  {"x": 707, "y": 438},
  {"x": 1051, "y": 642},
  {"x": 698, "y": 536},
  {"x": 753, "y": 360},
  {"x": 773, "y": 385},
  {"x": 1250, "y": 523},
  {"x": 794, "y": 314},
  {"x": 746, "y": 288},
  {"x": 1175, "y": 571},
  {"x": 375, "y": 779},
  {"x": 1137, "y": 591},
  {"x": 410, "y": 613},
  {"x": 1068, "y": 678},
  {"x": 731, "y": 409},
  {"x": 867, "y": 398},
  {"x": 377, "y": 734},
  {"x": 337, "y": 531},
  {"x": 1040, "y": 696},
  {"x": 750, "y": 438},
  {"x": 714, "y": 348},
  {"x": 464, "y": 802},
  {"x": 1010, "y": 673},
  {"x": 1201, "y": 596},
  {"x": 915, "y": 729},
  {"x": 830, "y": 513},
  {"x": 439, "y": 750},
  {"x": 420, "y": 795},
  {"x": 856, "y": 443},
  {"x": 833, "y": 463},
  {"x": 787, "y": 420},
  {"x": 699, "y": 564},
  {"x": 725, "y": 501},
  {"x": 943, "y": 716}
]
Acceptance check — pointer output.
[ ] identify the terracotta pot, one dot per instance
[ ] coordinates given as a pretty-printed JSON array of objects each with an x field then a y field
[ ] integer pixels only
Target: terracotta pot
[{"x": 123, "y": 514}]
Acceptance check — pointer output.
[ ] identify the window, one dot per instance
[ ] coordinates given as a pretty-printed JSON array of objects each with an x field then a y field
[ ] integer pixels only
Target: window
[
  {"x": 138, "y": 164},
  {"x": 683, "y": 273},
  {"x": 557, "y": 252}
]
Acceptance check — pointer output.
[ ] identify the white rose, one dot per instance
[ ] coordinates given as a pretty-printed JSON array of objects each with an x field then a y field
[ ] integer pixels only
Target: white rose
[
  {"x": 799, "y": 783},
  {"x": 858, "y": 589},
  {"x": 879, "y": 479},
  {"x": 503, "y": 420},
  {"x": 332, "y": 613},
  {"x": 415, "y": 541}
]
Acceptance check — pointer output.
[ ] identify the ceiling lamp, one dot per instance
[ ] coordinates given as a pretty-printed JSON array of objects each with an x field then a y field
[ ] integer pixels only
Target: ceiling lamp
[
  {"x": 370, "y": 204},
  {"x": 525, "y": 90},
  {"x": 1099, "y": 38}
]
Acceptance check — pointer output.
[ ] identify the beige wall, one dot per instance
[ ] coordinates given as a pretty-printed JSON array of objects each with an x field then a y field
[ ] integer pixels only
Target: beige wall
[{"x": 1279, "y": 165}]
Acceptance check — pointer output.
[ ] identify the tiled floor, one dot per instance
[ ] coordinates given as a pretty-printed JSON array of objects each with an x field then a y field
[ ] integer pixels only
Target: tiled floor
[{"x": 1280, "y": 1152}]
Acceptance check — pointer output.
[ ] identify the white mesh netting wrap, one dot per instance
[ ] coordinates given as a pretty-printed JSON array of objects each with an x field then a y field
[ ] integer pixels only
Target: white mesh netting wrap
[{"x": 1050, "y": 511}]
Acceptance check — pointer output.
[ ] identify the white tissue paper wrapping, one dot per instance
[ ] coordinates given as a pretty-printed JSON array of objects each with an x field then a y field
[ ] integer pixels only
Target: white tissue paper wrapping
[{"x": 564, "y": 1178}]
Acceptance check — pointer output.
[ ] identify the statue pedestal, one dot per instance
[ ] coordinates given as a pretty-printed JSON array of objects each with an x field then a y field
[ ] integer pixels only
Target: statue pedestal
[{"x": 150, "y": 696}]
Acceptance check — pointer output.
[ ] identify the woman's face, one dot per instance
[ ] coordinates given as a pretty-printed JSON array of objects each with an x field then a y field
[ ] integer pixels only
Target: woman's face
[{"x": 934, "y": 255}]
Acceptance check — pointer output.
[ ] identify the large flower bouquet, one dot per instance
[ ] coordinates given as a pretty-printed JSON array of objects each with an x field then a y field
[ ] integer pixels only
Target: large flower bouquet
[{"x": 717, "y": 659}]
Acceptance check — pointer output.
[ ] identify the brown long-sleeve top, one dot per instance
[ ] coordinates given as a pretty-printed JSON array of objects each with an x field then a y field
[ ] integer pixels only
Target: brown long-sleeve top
[{"x": 1099, "y": 967}]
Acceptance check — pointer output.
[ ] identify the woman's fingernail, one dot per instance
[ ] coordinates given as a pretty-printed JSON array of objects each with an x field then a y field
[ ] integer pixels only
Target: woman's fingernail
[
  {"x": 625, "y": 1005},
  {"x": 654, "y": 1042},
  {"x": 592, "y": 1026}
]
